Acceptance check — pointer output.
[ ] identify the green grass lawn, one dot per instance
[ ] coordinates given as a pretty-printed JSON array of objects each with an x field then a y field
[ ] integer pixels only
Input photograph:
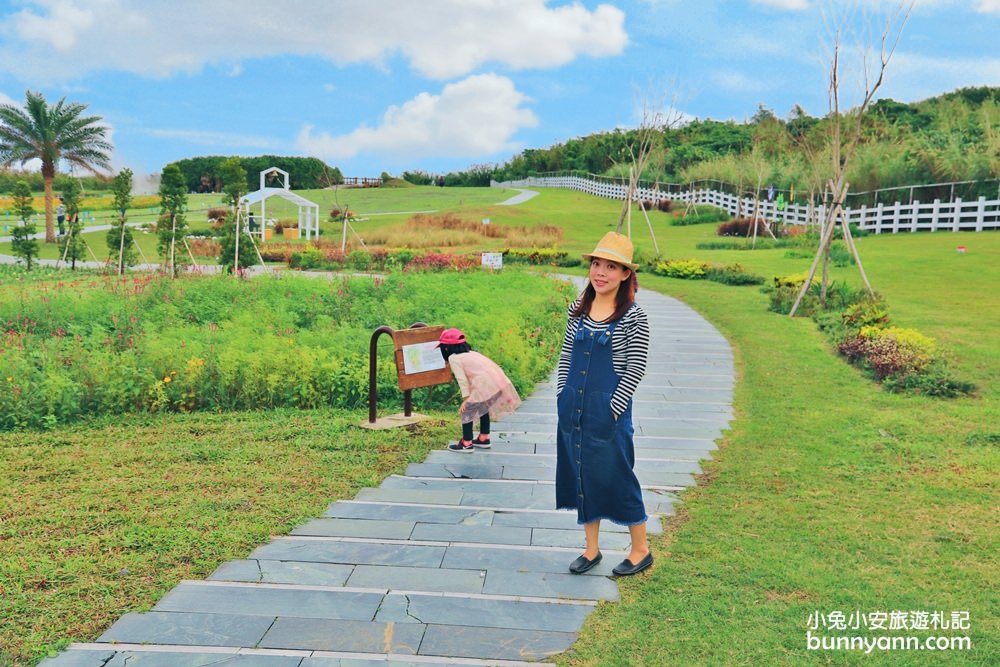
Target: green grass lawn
[
  {"x": 827, "y": 494},
  {"x": 375, "y": 208}
]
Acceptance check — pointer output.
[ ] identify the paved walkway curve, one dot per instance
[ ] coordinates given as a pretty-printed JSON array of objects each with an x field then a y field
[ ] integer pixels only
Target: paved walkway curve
[{"x": 462, "y": 560}]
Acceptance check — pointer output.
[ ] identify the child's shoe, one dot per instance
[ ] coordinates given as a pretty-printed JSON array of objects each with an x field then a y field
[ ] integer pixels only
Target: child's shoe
[
  {"x": 482, "y": 442},
  {"x": 463, "y": 446}
]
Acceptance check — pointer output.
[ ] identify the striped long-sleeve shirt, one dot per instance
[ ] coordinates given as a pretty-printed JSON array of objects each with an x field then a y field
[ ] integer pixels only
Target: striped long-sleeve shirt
[{"x": 629, "y": 350}]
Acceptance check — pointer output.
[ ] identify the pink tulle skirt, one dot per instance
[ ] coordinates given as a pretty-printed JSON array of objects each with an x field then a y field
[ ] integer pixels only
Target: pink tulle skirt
[{"x": 490, "y": 392}]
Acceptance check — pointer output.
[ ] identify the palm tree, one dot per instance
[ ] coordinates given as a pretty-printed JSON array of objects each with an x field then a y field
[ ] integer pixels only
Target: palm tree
[{"x": 52, "y": 133}]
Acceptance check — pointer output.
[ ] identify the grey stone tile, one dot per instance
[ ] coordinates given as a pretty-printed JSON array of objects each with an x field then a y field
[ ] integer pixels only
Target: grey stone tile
[
  {"x": 264, "y": 601},
  {"x": 679, "y": 429},
  {"x": 541, "y": 473},
  {"x": 366, "y": 510},
  {"x": 674, "y": 442},
  {"x": 336, "y": 551},
  {"x": 237, "y": 570},
  {"x": 513, "y": 447},
  {"x": 493, "y": 643},
  {"x": 283, "y": 572},
  {"x": 454, "y": 485},
  {"x": 553, "y": 537},
  {"x": 522, "y": 437},
  {"x": 456, "y": 470},
  {"x": 691, "y": 379},
  {"x": 319, "y": 661},
  {"x": 411, "y": 495},
  {"x": 561, "y": 520},
  {"x": 507, "y": 499},
  {"x": 417, "y": 579},
  {"x": 654, "y": 478},
  {"x": 80, "y": 658},
  {"x": 485, "y": 612},
  {"x": 199, "y": 629},
  {"x": 676, "y": 454},
  {"x": 496, "y": 457},
  {"x": 112, "y": 658},
  {"x": 348, "y": 636},
  {"x": 550, "y": 585},
  {"x": 479, "y": 518},
  {"x": 393, "y": 530},
  {"x": 440, "y": 532},
  {"x": 666, "y": 465},
  {"x": 521, "y": 560}
]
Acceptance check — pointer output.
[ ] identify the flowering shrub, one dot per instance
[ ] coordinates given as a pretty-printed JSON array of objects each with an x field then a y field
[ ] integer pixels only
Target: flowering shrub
[
  {"x": 547, "y": 256},
  {"x": 889, "y": 351},
  {"x": 858, "y": 325}
]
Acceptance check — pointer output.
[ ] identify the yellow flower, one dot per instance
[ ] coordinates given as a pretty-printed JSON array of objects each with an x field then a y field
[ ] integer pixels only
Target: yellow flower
[
  {"x": 167, "y": 379},
  {"x": 10, "y": 379}
]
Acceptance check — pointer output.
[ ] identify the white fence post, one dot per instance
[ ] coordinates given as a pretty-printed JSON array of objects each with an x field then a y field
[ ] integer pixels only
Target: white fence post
[{"x": 881, "y": 218}]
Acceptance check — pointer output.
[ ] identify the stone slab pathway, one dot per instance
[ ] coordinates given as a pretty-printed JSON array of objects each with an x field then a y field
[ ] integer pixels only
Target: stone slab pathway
[{"x": 462, "y": 560}]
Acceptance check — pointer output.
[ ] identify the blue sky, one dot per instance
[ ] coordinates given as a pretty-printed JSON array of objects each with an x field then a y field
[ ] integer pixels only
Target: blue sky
[{"x": 439, "y": 85}]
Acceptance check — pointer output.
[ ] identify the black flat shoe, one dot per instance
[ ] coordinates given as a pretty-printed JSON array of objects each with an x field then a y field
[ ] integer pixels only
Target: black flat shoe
[
  {"x": 626, "y": 568},
  {"x": 582, "y": 564}
]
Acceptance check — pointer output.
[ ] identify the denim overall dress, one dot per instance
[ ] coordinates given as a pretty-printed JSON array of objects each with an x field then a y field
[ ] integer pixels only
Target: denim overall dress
[{"x": 594, "y": 452}]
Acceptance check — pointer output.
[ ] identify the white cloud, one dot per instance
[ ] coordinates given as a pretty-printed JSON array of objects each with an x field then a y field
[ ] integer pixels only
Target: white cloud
[
  {"x": 988, "y": 6},
  {"x": 473, "y": 117},
  {"x": 205, "y": 138},
  {"x": 440, "y": 38},
  {"x": 4, "y": 99},
  {"x": 790, "y": 5},
  {"x": 912, "y": 76}
]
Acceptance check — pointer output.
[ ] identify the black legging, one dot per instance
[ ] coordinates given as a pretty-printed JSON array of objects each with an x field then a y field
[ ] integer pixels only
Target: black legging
[{"x": 484, "y": 427}]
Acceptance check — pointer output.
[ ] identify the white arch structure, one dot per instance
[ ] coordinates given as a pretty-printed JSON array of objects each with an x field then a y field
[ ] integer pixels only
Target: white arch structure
[{"x": 308, "y": 211}]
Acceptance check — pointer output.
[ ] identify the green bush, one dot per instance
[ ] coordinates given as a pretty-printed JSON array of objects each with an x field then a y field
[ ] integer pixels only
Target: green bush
[
  {"x": 703, "y": 213},
  {"x": 96, "y": 346},
  {"x": 685, "y": 269},
  {"x": 732, "y": 274},
  {"x": 538, "y": 256}
]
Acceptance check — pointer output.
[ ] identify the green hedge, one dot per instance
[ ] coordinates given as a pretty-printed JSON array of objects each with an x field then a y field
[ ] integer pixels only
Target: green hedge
[{"x": 96, "y": 346}]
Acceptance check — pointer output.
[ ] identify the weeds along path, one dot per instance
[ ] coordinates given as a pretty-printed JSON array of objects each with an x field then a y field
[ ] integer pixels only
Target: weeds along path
[{"x": 462, "y": 559}]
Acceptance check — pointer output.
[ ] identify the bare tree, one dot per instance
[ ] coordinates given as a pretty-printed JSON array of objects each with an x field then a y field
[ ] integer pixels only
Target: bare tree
[
  {"x": 656, "y": 116},
  {"x": 846, "y": 127}
]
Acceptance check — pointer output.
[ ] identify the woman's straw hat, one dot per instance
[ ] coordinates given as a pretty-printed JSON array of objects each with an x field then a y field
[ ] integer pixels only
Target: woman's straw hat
[{"x": 614, "y": 247}]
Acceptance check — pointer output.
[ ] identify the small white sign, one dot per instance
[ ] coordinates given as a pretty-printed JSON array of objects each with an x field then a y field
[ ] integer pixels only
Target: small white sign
[
  {"x": 493, "y": 260},
  {"x": 486, "y": 221},
  {"x": 422, "y": 357}
]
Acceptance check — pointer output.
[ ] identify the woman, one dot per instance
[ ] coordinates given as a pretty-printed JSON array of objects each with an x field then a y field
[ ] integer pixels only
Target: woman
[{"x": 602, "y": 360}]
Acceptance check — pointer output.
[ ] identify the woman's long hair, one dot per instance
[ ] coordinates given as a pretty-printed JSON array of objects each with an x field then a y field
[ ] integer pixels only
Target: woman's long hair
[{"x": 624, "y": 298}]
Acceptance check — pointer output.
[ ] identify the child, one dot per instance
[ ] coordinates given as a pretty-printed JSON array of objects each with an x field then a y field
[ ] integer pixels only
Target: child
[{"x": 486, "y": 391}]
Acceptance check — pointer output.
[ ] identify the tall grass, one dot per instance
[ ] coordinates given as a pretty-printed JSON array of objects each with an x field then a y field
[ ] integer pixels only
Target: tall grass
[{"x": 449, "y": 230}]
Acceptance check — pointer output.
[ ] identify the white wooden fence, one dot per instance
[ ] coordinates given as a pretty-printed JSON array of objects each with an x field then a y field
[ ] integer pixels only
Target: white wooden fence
[{"x": 955, "y": 216}]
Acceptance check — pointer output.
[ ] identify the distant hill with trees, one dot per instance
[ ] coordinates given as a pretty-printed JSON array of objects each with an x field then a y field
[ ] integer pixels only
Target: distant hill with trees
[{"x": 948, "y": 138}]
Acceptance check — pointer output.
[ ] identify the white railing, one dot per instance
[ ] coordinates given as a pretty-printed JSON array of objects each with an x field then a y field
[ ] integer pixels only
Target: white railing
[{"x": 953, "y": 216}]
